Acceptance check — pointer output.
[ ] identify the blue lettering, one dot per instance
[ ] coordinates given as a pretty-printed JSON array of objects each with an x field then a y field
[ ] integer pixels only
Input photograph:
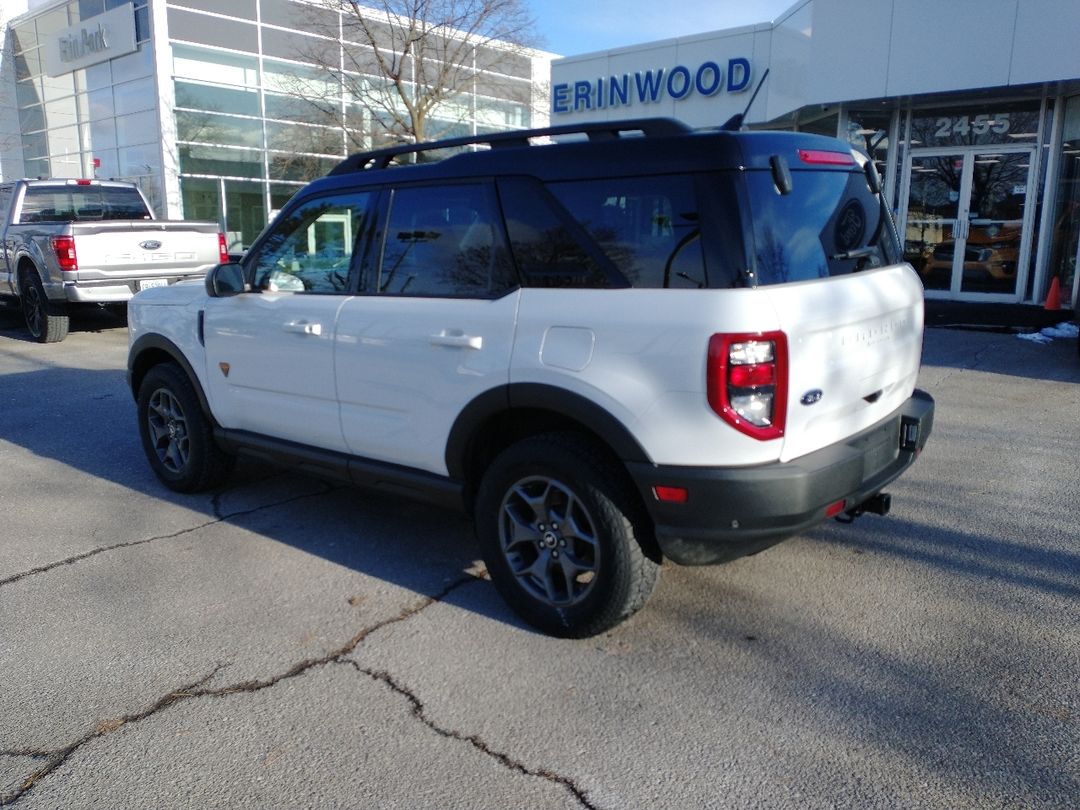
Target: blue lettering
[
  {"x": 560, "y": 101},
  {"x": 648, "y": 86},
  {"x": 717, "y": 78},
  {"x": 619, "y": 87},
  {"x": 687, "y": 82},
  {"x": 741, "y": 67},
  {"x": 582, "y": 96}
]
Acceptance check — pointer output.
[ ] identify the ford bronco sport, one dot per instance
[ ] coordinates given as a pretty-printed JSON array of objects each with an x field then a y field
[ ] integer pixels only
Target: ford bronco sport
[{"x": 648, "y": 342}]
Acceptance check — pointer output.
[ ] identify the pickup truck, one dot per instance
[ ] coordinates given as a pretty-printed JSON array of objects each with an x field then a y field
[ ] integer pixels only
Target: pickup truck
[{"x": 72, "y": 242}]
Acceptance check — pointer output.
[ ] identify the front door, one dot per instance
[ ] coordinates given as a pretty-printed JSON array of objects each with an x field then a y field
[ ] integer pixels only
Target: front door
[
  {"x": 968, "y": 223},
  {"x": 270, "y": 353}
]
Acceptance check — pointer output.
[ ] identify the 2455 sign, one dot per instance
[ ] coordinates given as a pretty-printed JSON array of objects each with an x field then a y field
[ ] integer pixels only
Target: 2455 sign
[{"x": 946, "y": 127}]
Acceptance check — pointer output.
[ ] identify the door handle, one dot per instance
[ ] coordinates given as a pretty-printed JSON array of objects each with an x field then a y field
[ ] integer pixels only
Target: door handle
[
  {"x": 303, "y": 328},
  {"x": 457, "y": 340}
]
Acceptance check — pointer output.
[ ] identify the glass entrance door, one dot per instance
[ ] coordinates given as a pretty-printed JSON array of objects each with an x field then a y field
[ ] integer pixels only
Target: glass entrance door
[{"x": 966, "y": 212}]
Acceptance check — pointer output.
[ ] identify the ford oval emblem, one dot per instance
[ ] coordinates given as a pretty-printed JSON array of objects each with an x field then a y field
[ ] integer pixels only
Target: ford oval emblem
[
  {"x": 150, "y": 244},
  {"x": 810, "y": 397}
]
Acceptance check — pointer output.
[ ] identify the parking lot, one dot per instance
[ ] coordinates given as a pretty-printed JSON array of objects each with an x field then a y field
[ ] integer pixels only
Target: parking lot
[{"x": 285, "y": 642}]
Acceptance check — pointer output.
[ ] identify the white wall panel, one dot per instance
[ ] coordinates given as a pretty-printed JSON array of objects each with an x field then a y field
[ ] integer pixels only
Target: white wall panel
[
  {"x": 850, "y": 50},
  {"x": 1047, "y": 44},
  {"x": 791, "y": 50},
  {"x": 956, "y": 45}
]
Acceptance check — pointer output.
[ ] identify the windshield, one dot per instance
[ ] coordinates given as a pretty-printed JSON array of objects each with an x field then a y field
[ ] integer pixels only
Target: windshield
[
  {"x": 830, "y": 224},
  {"x": 81, "y": 204}
]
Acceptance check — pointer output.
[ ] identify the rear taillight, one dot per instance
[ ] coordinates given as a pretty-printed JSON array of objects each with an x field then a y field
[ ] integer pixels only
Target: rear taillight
[
  {"x": 747, "y": 382},
  {"x": 223, "y": 248},
  {"x": 64, "y": 246}
]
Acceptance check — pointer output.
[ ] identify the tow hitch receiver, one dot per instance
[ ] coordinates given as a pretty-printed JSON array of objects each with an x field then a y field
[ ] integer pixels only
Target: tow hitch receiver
[{"x": 879, "y": 504}]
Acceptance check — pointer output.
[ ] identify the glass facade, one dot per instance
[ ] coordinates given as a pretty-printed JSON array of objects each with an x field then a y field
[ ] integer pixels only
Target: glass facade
[
  {"x": 1065, "y": 251},
  {"x": 102, "y": 119},
  {"x": 256, "y": 117},
  {"x": 227, "y": 117}
]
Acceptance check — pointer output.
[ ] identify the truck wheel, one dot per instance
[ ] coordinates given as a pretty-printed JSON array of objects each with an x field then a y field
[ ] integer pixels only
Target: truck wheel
[
  {"x": 46, "y": 320},
  {"x": 176, "y": 435},
  {"x": 561, "y": 533}
]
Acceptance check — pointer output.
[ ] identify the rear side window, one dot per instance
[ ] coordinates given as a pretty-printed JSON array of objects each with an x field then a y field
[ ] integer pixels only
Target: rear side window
[
  {"x": 444, "y": 241},
  {"x": 648, "y": 227},
  {"x": 81, "y": 204},
  {"x": 830, "y": 224},
  {"x": 550, "y": 249}
]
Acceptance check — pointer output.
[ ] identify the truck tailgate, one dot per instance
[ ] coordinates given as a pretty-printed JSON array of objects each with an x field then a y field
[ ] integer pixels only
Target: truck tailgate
[
  {"x": 126, "y": 249},
  {"x": 854, "y": 348}
]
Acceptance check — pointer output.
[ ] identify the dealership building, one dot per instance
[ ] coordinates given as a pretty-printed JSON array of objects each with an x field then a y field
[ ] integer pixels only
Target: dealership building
[
  {"x": 970, "y": 108},
  {"x": 217, "y": 110}
]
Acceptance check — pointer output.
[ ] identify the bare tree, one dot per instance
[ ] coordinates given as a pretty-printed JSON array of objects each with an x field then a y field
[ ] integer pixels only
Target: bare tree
[{"x": 404, "y": 61}]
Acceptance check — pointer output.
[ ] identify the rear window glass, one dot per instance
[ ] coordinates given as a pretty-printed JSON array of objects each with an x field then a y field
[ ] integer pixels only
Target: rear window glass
[
  {"x": 81, "y": 203},
  {"x": 647, "y": 226},
  {"x": 830, "y": 224}
]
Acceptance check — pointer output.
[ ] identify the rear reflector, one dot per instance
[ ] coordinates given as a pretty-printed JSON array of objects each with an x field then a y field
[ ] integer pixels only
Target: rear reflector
[
  {"x": 820, "y": 156},
  {"x": 671, "y": 494},
  {"x": 834, "y": 509}
]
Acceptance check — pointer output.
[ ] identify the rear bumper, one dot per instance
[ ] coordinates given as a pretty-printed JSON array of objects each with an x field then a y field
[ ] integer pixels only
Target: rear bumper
[
  {"x": 732, "y": 512},
  {"x": 119, "y": 290}
]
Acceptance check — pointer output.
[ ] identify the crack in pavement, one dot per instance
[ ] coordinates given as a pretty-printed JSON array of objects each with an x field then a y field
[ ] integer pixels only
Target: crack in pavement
[
  {"x": 419, "y": 712},
  {"x": 197, "y": 689},
  {"x": 60, "y": 756},
  {"x": 42, "y": 569}
]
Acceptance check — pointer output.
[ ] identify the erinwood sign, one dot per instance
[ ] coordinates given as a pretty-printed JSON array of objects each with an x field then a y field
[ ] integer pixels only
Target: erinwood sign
[
  {"x": 650, "y": 86},
  {"x": 94, "y": 40}
]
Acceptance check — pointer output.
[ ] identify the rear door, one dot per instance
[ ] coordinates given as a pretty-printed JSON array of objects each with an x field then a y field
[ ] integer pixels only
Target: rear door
[
  {"x": 434, "y": 328},
  {"x": 852, "y": 312}
]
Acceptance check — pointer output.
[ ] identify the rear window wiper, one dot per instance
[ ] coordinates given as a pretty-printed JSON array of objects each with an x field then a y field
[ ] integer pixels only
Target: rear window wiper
[{"x": 857, "y": 253}]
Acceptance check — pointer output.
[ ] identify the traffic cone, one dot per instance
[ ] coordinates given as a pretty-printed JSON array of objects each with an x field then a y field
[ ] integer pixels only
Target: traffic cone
[{"x": 1053, "y": 297}]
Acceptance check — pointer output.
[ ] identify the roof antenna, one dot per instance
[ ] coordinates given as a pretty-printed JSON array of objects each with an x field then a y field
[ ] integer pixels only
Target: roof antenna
[{"x": 734, "y": 124}]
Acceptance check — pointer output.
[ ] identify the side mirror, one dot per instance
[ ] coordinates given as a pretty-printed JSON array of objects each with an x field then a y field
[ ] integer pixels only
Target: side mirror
[{"x": 225, "y": 280}]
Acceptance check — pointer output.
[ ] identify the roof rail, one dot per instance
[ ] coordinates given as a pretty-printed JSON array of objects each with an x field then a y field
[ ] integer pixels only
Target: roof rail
[{"x": 596, "y": 131}]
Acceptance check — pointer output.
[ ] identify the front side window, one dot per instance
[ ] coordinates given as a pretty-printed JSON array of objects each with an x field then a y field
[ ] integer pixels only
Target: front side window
[
  {"x": 444, "y": 241},
  {"x": 311, "y": 249}
]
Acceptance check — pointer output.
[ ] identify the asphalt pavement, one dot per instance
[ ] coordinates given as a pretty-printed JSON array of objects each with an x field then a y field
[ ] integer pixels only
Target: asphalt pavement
[{"x": 284, "y": 642}]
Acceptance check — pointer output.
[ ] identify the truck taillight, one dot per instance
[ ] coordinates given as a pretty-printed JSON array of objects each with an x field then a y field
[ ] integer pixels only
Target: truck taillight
[
  {"x": 223, "y": 248},
  {"x": 747, "y": 380},
  {"x": 64, "y": 246}
]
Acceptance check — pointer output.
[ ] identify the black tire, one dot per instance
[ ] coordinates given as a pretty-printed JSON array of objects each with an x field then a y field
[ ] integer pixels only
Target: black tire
[
  {"x": 565, "y": 536},
  {"x": 176, "y": 435},
  {"x": 47, "y": 321}
]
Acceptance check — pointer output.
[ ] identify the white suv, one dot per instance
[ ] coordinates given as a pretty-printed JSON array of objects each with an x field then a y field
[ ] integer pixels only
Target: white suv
[{"x": 646, "y": 343}]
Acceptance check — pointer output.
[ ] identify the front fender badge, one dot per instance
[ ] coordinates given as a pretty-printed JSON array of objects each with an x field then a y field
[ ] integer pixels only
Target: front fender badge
[
  {"x": 812, "y": 397},
  {"x": 224, "y": 368}
]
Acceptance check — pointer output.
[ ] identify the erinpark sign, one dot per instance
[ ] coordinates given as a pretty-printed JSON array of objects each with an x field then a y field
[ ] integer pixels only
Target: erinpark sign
[{"x": 94, "y": 40}]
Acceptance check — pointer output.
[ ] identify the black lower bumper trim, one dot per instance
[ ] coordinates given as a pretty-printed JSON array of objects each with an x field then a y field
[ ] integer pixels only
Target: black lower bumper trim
[{"x": 732, "y": 512}]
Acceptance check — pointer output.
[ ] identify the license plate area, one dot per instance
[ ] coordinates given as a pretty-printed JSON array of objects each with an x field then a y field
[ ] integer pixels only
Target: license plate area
[{"x": 147, "y": 283}]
